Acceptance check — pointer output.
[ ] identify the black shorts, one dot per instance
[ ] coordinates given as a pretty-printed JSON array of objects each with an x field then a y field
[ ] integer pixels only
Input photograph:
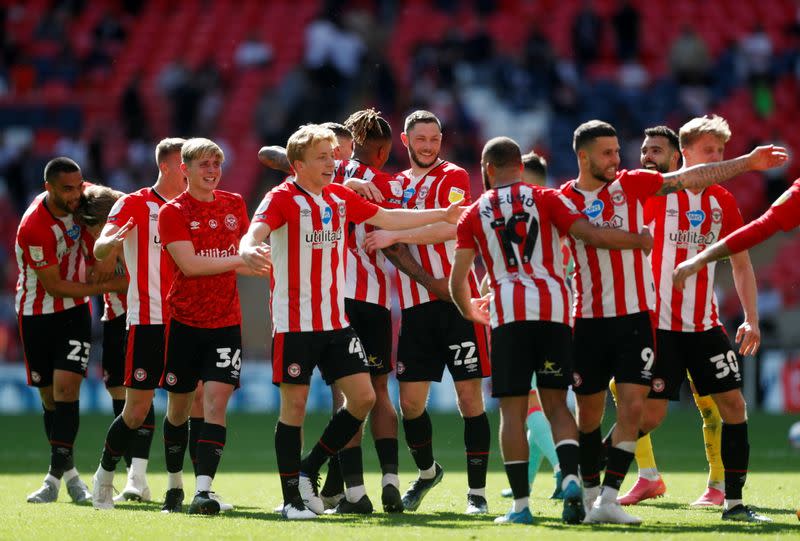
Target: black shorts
[
  {"x": 58, "y": 341},
  {"x": 708, "y": 356},
  {"x": 434, "y": 335},
  {"x": 144, "y": 357},
  {"x": 336, "y": 353},
  {"x": 523, "y": 347},
  {"x": 373, "y": 325},
  {"x": 198, "y": 354},
  {"x": 114, "y": 351},
  {"x": 619, "y": 347}
]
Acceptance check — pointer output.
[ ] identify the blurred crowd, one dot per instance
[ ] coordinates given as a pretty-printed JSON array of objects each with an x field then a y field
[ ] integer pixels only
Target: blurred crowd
[{"x": 68, "y": 86}]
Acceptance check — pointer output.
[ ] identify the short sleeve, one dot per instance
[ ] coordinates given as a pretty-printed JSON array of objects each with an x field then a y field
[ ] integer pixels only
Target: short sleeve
[
  {"x": 171, "y": 225},
  {"x": 270, "y": 211},
  {"x": 382, "y": 181},
  {"x": 121, "y": 211},
  {"x": 358, "y": 209},
  {"x": 455, "y": 189},
  {"x": 731, "y": 216},
  {"x": 641, "y": 183},
  {"x": 465, "y": 237},
  {"x": 38, "y": 247},
  {"x": 651, "y": 209},
  {"x": 561, "y": 210},
  {"x": 244, "y": 218}
]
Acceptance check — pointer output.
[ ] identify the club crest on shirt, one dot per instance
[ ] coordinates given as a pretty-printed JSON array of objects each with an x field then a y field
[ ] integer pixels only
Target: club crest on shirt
[
  {"x": 212, "y": 223},
  {"x": 594, "y": 210},
  {"x": 423, "y": 193},
  {"x": 396, "y": 188},
  {"x": 716, "y": 215},
  {"x": 455, "y": 195},
  {"x": 327, "y": 214},
  {"x": 231, "y": 222},
  {"x": 695, "y": 217},
  {"x": 618, "y": 197},
  {"x": 37, "y": 253},
  {"x": 342, "y": 210}
]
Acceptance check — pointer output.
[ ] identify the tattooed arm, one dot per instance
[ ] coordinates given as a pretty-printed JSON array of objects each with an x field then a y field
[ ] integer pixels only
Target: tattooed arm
[
  {"x": 704, "y": 175},
  {"x": 274, "y": 157},
  {"x": 401, "y": 257}
]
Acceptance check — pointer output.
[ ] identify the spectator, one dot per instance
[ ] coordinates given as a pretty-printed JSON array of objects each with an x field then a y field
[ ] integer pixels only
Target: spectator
[
  {"x": 756, "y": 55},
  {"x": 626, "y": 29},
  {"x": 689, "y": 58},
  {"x": 253, "y": 53},
  {"x": 587, "y": 33}
]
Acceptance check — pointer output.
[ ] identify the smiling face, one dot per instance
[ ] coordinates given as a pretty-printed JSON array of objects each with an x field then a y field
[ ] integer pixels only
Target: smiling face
[
  {"x": 424, "y": 143},
  {"x": 317, "y": 166},
  {"x": 658, "y": 155},
  {"x": 601, "y": 158},
  {"x": 203, "y": 173},
  {"x": 64, "y": 192}
]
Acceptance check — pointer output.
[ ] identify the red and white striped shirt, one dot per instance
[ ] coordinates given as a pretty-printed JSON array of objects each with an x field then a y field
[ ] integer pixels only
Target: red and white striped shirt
[
  {"x": 444, "y": 184},
  {"x": 366, "y": 274},
  {"x": 308, "y": 239},
  {"x": 684, "y": 224},
  {"x": 516, "y": 230},
  {"x": 44, "y": 240},
  {"x": 610, "y": 283},
  {"x": 150, "y": 268}
]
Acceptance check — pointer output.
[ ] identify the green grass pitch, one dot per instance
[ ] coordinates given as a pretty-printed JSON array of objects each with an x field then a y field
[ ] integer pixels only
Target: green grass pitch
[{"x": 247, "y": 478}]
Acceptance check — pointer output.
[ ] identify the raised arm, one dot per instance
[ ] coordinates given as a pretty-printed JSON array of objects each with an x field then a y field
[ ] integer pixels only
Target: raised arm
[
  {"x": 610, "y": 239},
  {"x": 402, "y": 259},
  {"x": 274, "y": 157},
  {"x": 704, "y": 175},
  {"x": 429, "y": 234},
  {"x": 395, "y": 219}
]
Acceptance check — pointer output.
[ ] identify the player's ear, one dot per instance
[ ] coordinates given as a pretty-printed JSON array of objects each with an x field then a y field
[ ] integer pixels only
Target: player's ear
[
  {"x": 404, "y": 139},
  {"x": 184, "y": 168}
]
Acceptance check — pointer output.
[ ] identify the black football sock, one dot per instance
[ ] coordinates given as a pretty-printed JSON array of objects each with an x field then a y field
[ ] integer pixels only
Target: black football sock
[
  {"x": 195, "y": 429},
  {"x": 209, "y": 449},
  {"x": 419, "y": 437},
  {"x": 517, "y": 473},
  {"x": 735, "y": 458},
  {"x": 568, "y": 457},
  {"x": 118, "y": 440},
  {"x": 66, "y": 420},
  {"x": 143, "y": 438},
  {"x": 352, "y": 464},
  {"x": 118, "y": 405},
  {"x": 176, "y": 439},
  {"x": 387, "y": 449},
  {"x": 619, "y": 461},
  {"x": 590, "y": 446},
  {"x": 47, "y": 417},
  {"x": 477, "y": 438},
  {"x": 334, "y": 484},
  {"x": 341, "y": 429},
  {"x": 288, "y": 444}
]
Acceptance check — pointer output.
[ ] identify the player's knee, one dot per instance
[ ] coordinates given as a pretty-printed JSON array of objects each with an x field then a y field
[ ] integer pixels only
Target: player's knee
[
  {"x": 411, "y": 407},
  {"x": 361, "y": 402},
  {"x": 470, "y": 405},
  {"x": 732, "y": 409},
  {"x": 66, "y": 391}
]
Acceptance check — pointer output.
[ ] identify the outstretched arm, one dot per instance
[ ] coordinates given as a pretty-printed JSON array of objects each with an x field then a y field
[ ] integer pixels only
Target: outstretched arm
[
  {"x": 274, "y": 157},
  {"x": 429, "y": 234},
  {"x": 704, "y": 175},
  {"x": 610, "y": 239},
  {"x": 402, "y": 259},
  {"x": 691, "y": 266}
]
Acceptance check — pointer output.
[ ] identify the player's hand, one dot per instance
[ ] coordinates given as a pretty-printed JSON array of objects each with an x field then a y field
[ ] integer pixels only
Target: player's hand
[
  {"x": 122, "y": 232},
  {"x": 441, "y": 288},
  {"x": 258, "y": 258},
  {"x": 365, "y": 189},
  {"x": 684, "y": 271},
  {"x": 748, "y": 336},
  {"x": 647, "y": 241},
  {"x": 767, "y": 157},
  {"x": 479, "y": 311},
  {"x": 453, "y": 213},
  {"x": 378, "y": 239},
  {"x": 103, "y": 270}
]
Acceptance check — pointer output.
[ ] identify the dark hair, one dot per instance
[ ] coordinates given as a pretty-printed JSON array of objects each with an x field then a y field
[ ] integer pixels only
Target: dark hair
[
  {"x": 589, "y": 131},
  {"x": 338, "y": 129},
  {"x": 535, "y": 164},
  {"x": 666, "y": 132},
  {"x": 420, "y": 117},
  {"x": 368, "y": 125},
  {"x": 59, "y": 165},
  {"x": 501, "y": 152}
]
